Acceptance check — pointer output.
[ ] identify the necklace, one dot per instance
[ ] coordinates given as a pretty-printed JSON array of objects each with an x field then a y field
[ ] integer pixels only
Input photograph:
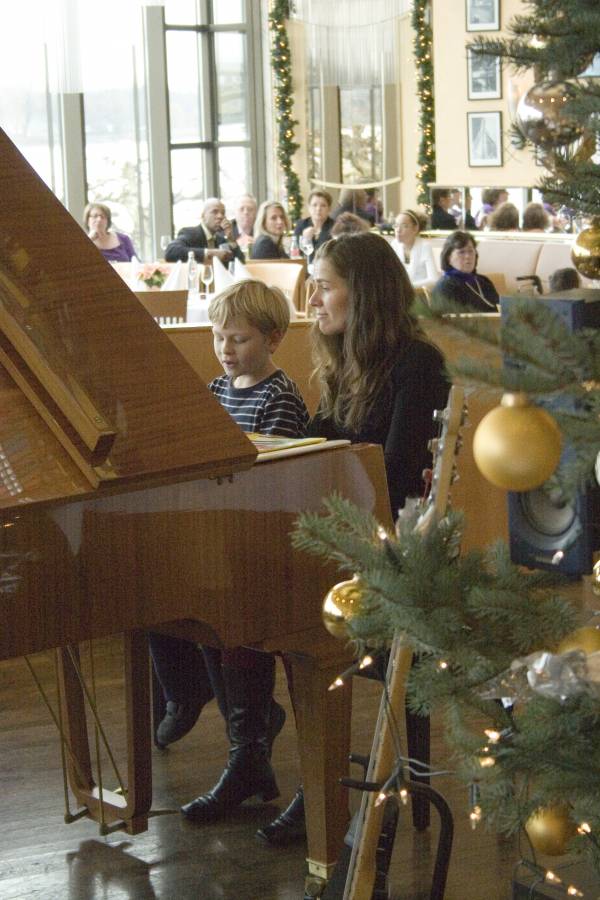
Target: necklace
[{"x": 479, "y": 293}]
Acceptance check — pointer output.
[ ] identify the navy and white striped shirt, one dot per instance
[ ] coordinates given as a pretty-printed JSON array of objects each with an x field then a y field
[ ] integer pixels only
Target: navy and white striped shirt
[{"x": 273, "y": 406}]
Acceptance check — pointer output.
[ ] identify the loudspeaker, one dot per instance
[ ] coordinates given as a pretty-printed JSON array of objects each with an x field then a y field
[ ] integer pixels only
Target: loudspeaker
[{"x": 545, "y": 532}]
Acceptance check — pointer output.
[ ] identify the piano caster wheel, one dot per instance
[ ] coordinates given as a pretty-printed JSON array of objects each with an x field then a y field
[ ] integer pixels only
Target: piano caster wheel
[{"x": 313, "y": 887}]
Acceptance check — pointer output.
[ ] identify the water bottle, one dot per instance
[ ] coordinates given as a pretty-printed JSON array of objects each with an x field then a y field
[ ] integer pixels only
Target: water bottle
[
  {"x": 295, "y": 248},
  {"x": 192, "y": 273}
]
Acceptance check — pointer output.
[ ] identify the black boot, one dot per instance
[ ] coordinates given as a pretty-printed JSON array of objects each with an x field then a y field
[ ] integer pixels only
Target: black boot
[
  {"x": 248, "y": 772},
  {"x": 288, "y": 826},
  {"x": 184, "y": 682}
]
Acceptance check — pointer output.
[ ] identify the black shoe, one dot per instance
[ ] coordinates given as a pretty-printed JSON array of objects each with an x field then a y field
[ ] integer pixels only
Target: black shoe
[
  {"x": 248, "y": 774},
  {"x": 290, "y": 825},
  {"x": 179, "y": 718}
]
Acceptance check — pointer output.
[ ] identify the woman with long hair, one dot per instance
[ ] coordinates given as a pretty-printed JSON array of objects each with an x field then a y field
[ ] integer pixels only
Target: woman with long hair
[
  {"x": 270, "y": 227},
  {"x": 380, "y": 380}
]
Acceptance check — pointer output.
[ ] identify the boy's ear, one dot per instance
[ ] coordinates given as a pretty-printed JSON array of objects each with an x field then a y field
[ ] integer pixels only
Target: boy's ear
[{"x": 274, "y": 339}]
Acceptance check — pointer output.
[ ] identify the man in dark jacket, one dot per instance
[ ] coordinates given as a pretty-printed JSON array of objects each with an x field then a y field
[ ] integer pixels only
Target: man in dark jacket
[
  {"x": 441, "y": 217},
  {"x": 212, "y": 237}
]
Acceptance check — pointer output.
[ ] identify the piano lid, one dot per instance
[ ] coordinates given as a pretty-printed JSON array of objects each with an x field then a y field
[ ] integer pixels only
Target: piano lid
[{"x": 91, "y": 391}]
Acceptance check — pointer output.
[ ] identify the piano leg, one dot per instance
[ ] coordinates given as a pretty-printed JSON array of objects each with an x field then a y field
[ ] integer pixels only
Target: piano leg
[
  {"x": 128, "y": 808},
  {"x": 323, "y": 722}
]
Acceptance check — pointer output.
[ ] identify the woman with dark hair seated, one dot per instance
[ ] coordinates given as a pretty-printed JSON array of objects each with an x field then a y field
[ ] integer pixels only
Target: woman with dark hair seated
[
  {"x": 460, "y": 282},
  {"x": 113, "y": 245}
]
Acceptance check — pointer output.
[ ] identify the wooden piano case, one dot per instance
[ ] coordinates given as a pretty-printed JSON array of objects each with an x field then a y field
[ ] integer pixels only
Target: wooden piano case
[{"x": 129, "y": 499}]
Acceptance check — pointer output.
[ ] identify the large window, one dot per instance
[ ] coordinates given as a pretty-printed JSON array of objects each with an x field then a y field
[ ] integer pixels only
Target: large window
[
  {"x": 361, "y": 134},
  {"x": 210, "y": 110}
]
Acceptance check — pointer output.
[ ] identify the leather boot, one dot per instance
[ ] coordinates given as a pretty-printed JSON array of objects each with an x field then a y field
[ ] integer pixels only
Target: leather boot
[
  {"x": 248, "y": 772},
  {"x": 288, "y": 826},
  {"x": 184, "y": 684}
]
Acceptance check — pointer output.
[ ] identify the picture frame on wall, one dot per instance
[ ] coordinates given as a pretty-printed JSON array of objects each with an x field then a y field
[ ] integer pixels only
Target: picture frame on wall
[
  {"x": 484, "y": 77},
  {"x": 485, "y": 138},
  {"x": 483, "y": 15}
]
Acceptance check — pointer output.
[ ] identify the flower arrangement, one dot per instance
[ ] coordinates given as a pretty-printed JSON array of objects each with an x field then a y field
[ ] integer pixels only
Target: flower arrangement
[{"x": 153, "y": 275}]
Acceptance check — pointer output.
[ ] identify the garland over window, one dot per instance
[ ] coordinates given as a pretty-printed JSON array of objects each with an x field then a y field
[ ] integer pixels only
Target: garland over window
[
  {"x": 423, "y": 50},
  {"x": 281, "y": 64}
]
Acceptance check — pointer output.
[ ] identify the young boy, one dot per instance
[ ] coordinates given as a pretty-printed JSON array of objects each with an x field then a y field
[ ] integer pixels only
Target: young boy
[{"x": 249, "y": 321}]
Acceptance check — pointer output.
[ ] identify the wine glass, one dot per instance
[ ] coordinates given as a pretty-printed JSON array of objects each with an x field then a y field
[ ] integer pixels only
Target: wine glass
[
  {"x": 206, "y": 277},
  {"x": 307, "y": 246}
]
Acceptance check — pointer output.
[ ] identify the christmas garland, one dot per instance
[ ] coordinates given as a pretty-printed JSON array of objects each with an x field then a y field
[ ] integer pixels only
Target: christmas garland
[
  {"x": 423, "y": 50},
  {"x": 281, "y": 64}
]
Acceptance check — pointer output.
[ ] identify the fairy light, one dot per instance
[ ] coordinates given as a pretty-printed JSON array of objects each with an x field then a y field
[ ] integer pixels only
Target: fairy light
[
  {"x": 492, "y": 736},
  {"x": 442, "y": 665},
  {"x": 584, "y": 828},
  {"x": 475, "y": 817},
  {"x": 338, "y": 683},
  {"x": 572, "y": 891},
  {"x": 381, "y": 798},
  {"x": 486, "y": 762},
  {"x": 365, "y": 661},
  {"x": 403, "y": 796},
  {"x": 552, "y": 877}
]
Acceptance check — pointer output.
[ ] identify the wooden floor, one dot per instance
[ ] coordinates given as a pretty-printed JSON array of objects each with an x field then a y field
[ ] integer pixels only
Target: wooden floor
[{"x": 42, "y": 858}]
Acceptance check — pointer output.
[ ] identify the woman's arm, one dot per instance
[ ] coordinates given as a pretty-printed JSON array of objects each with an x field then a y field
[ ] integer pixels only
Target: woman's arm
[{"x": 426, "y": 261}]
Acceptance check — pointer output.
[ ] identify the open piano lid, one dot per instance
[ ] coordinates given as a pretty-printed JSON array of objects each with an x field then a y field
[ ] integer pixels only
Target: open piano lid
[{"x": 92, "y": 394}]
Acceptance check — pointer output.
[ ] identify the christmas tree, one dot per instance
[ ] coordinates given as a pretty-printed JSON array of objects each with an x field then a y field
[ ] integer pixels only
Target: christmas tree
[{"x": 497, "y": 649}]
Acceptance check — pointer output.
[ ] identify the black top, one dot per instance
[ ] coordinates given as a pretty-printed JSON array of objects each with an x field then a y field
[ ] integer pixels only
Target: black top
[
  {"x": 195, "y": 239},
  {"x": 324, "y": 234},
  {"x": 480, "y": 296},
  {"x": 264, "y": 247},
  {"x": 401, "y": 419},
  {"x": 442, "y": 220}
]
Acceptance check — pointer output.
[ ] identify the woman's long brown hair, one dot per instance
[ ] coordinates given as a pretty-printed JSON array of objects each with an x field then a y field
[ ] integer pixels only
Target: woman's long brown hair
[{"x": 353, "y": 367}]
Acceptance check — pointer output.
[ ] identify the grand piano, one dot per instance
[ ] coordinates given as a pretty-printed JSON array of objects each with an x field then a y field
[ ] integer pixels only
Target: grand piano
[{"x": 130, "y": 500}]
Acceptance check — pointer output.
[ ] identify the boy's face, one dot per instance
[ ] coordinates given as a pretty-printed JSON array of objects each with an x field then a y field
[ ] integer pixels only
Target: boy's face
[{"x": 244, "y": 351}]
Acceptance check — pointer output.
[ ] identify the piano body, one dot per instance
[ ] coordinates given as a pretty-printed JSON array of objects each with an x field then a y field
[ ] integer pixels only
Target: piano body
[{"x": 129, "y": 499}]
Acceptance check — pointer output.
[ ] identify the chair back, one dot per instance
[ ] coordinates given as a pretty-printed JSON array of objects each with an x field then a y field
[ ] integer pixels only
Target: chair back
[
  {"x": 288, "y": 274},
  {"x": 165, "y": 307}
]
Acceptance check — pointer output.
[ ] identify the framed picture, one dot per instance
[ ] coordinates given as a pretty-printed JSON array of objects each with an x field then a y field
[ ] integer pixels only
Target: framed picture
[
  {"x": 485, "y": 138},
  {"x": 483, "y": 15},
  {"x": 484, "y": 77}
]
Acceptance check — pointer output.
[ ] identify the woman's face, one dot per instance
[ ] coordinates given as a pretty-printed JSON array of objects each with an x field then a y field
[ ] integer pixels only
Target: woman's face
[
  {"x": 275, "y": 222},
  {"x": 318, "y": 209},
  {"x": 330, "y": 299},
  {"x": 405, "y": 229},
  {"x": 463, "y": 258},
  {"x": 97, "y": 221}
]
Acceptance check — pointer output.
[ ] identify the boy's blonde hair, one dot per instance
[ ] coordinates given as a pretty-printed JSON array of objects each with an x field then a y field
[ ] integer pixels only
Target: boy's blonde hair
[{"x": 266, "y": 308}]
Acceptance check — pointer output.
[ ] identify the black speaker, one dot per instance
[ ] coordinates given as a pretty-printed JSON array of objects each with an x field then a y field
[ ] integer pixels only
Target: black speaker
[{"x": 545, "y": 532}]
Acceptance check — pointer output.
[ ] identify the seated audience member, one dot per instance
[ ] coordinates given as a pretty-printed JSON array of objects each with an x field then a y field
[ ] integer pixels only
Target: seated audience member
[
  {"x": 491, "y": 198},
  {"x": 374, "y": 206},
  {"x": 113, "y": 245},
  {"x": 504, "y": 218},
  {"x": 317, "y": 226},
  {"x": 460, "y": 282},
  {"x": 212, "y": 237},
  {"x": 566, "y": 279},
  {"x": 348, "y": 223},
  {"x": 354, "y": 200},
  {"x": 535, "y": 218},
  {"x": 463, "y": 218},
  {"x": 271, "y": 225},
  {"x": 441, "y": 217},
  {"x": 242, "y": 225},
  {"x": 414, "y": 252}
]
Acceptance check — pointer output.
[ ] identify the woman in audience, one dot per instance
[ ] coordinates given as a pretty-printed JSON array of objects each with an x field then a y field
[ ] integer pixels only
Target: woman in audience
[
  {"x": 317, "y": 226},
  {"x": 380, "y": 381},
  {"x": 270, "y": 227},
  {"x": 113, "y": 245},
  {"x": 414, "y": 252},
  {"x": 504, "y": 218},
  {"x": 535, "y": 218},
  {"x": 460, "y": 282},
  {"x": 354, "y": 200}
]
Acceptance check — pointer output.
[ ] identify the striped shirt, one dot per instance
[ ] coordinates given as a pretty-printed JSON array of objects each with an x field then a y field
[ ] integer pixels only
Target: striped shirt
[{"x": 273, "y": 406}]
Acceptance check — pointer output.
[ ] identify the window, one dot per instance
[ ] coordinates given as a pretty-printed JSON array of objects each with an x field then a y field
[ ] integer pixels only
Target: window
[{"x": 361, "y": 132}]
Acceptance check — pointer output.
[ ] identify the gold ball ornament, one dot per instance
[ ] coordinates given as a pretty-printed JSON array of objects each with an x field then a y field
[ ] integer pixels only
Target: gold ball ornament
[
  {"x": 341, "y": 604},
  {"x": 517, "y": 445},
  {"x": 541, "y": 115},
  {"x": 586, "y": 638},
  {"x": 585, "y": 252},
  {"x": 551, "y": 830}
]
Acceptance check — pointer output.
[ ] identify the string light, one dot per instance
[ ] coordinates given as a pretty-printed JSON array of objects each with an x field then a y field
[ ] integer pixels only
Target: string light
[
  {"x": 475, "y": 817},
  {"x": 584, "y": 828},
  {"x": 492, "y": 736},
  {"x": 340, "y": 681},
  {"x": 572, "y": 891},
  {"x": 552, "y": 878}
]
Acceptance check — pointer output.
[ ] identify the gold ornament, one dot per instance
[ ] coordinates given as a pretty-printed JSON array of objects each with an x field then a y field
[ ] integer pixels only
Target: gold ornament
[
  {"x": 585, "y": 252},
  {"x": 586, "y": 638},
  {"x": 340, "y": 605},
  {"x": 541, "y": 118},
  {"x": 517, "y": 445},
  {"x": 551, "y": 830}
]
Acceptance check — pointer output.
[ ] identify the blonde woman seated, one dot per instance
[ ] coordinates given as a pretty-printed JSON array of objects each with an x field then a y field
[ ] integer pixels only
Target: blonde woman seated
[
  {"x": 414, "y": 252},
  {"x": 270, "y": 227}
]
